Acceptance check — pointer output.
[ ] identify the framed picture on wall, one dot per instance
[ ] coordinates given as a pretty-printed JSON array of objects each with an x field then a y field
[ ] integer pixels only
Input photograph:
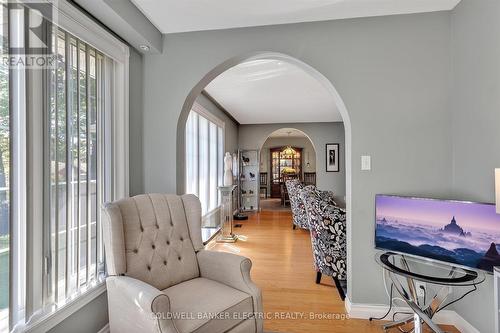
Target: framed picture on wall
[{"x": 332, "y": 157}]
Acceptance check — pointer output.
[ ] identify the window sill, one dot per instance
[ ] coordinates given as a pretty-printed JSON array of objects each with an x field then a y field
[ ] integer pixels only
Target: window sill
[
  {"x": 207, "y": 234},
  {"x": 43, "y": 322}
]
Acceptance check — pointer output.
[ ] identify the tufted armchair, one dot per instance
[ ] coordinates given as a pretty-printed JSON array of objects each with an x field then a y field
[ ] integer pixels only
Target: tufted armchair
[
  {"x": 162, "y": 280},
  {"x": 327, "y": 223}
]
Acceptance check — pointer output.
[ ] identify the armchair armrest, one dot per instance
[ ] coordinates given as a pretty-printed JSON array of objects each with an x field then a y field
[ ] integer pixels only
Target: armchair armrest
[
  {"x": 233, "y": 271},
  {"x": 135, "y": 306}
]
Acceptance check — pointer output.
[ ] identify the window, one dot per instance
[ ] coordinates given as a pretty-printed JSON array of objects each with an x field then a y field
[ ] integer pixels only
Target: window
[
  {"x": 204, "y": 157},
  {"x": 63, "y": 152},
  {"x": 4, "y": 172}
]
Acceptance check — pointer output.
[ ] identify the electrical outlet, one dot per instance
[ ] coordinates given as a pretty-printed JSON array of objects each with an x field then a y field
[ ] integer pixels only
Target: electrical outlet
[{"x": 420, "y": 288}]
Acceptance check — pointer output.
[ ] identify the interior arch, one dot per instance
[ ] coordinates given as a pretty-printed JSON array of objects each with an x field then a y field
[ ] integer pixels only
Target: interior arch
[
  {"x": 261, "y": 144},
  {"x": 224, "y": 66}
]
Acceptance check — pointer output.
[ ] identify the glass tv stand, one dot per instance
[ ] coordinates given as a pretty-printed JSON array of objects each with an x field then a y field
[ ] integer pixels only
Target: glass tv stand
[{"x": 408, "y": 273}]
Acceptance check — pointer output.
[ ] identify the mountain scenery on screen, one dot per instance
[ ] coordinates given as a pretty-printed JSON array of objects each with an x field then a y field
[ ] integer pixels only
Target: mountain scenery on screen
[{"x": 464, "y": 233}]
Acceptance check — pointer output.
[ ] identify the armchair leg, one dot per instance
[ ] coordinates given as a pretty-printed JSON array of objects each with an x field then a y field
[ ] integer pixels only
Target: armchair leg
[
  {"x": 340, "y": 290},
  {"x": 318, "y": 277}
]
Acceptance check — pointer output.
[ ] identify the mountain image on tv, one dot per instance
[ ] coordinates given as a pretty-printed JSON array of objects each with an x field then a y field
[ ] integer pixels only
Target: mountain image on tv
[{"x": 462, "y": 233}]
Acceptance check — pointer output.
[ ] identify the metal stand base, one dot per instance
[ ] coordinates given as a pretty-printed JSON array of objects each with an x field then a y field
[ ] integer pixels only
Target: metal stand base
[
  {"x": 415, "y": 319},
  {"x": 227, "y": 239},
  {"x": 396, "y": 324},
  {"x": 422, "y": 313},
  {"x": 407, "y": 275}
]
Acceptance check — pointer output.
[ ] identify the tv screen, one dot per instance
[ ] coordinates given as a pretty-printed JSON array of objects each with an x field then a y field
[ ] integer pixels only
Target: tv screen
[{"x": 463, "y": 233}]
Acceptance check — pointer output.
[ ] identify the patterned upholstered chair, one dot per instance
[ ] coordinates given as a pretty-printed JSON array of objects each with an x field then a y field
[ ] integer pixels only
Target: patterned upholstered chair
[
  {"x": 328, "y": 197},
  {"x": 299, "y": 213},
  {"x": 298, "y": 210},
  {"x": 162, "y": 280},
  {"x": 327, "y": 223}
]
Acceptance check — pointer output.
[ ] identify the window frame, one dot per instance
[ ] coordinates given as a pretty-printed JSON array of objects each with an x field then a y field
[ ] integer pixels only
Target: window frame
[
  {"x": 203, "y": 112},
  {"x": 31, "y": 112}
]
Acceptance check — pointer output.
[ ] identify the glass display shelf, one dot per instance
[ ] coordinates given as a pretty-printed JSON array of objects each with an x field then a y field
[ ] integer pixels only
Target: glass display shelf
[
  {"x": 428, "y": 270},
  {"x": 248, "y": 180},
  {"x": 410, "y": 275}
]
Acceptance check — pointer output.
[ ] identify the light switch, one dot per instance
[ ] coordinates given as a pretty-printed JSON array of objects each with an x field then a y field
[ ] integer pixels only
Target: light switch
[{"x": 366, "y": 163}]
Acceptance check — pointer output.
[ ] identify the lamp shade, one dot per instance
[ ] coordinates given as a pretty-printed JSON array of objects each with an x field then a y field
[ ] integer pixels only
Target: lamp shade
[{"x": 497, "y": 189}]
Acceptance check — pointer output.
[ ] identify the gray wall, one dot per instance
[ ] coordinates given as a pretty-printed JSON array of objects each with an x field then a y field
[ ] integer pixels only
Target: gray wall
[
  {"x": 475, "y": 106},
  {"x": 254, "y": 136},
  {"x": 90, "y": 318},
  {"x": 136, "y": 172},
  {"x": 393, "y": 74}
]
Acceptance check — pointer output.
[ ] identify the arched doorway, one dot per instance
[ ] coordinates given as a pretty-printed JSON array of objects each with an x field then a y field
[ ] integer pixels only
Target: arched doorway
[
  {"x": 285, "y": 152},
  {"x": 325, "y": 83}
]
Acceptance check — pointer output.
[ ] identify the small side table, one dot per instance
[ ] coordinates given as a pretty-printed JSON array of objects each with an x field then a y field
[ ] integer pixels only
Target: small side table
[
  {"x": 405, "y": 271},
  {"x": 226, "y": 215}
]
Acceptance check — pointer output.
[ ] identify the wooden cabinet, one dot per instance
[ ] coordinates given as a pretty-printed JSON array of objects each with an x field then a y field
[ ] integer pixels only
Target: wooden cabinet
[{"x": 283, "y": 166}]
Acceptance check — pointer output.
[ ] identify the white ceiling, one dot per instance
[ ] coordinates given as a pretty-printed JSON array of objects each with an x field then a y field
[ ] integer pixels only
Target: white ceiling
[
  {"x": 287, "y": 133},
  {"x": 273, "y": 91},
  {"x": 171, "y": 16}
]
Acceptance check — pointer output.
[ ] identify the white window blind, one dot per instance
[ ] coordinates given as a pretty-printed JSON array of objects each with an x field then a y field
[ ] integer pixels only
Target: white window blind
[
  {"x": 204, "y": 157},
  {"x": 4, "y": 172},
  {"x": 63, "y": 147},
  {"x": 75, "y": 165}
]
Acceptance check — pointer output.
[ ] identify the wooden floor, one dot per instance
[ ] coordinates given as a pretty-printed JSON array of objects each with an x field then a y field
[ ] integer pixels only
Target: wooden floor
[{"x": 282, "y": 267}]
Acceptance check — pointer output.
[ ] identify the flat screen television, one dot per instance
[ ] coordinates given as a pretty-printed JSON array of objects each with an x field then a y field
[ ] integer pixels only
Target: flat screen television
[{"x": 458, "y": 232}]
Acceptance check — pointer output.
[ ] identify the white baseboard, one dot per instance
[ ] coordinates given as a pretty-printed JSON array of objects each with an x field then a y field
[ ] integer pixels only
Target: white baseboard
[
  {"x": 445, "y": 317},
  {"x": 105, "y": 329}
]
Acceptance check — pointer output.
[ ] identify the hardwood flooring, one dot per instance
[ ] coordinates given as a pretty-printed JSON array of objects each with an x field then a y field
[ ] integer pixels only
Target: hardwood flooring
[{"x": 282, "y": 267}]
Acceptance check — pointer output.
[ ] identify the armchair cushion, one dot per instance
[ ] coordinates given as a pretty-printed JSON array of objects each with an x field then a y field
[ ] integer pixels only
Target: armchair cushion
[
  {"x": 208, "y": 306},
  {"x": 233, "y": 271}
]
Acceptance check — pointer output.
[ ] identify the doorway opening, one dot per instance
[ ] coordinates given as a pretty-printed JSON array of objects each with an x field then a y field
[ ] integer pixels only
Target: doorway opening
[
  {"x": 244, "y": 94},
  {"x": 287, "y": 153}
]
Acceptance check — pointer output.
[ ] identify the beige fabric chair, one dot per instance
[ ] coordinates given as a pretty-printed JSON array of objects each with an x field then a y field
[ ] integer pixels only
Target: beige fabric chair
[{"x": 162, "y": 280}]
